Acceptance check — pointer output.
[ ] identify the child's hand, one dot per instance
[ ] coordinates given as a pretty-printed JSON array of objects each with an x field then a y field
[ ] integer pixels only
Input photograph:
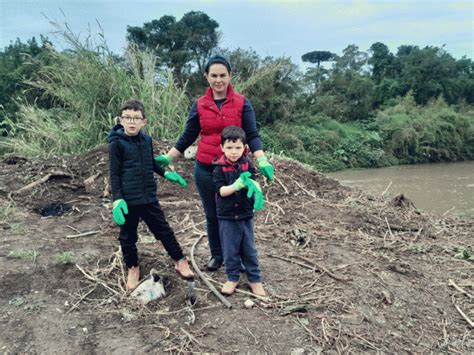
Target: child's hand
[
  {"x": 119, "y": 209},
  {"x": 164, "y": 160},
  {"x": 241, "y": 182},
  {"x": 175, "y": 177},
  {"x": 266, "y": 169}
]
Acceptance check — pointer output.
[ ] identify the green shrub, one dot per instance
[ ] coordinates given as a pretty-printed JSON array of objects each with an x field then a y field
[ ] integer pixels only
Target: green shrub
[{"x": 87, "y": 85}]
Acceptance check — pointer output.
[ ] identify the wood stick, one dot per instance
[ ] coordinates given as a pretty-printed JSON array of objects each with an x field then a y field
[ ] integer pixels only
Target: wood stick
[
  {"x": 81, "y": 234},
  {"x": 313, "y": 267},
  {"x": 471, "y": 323},
  {"x": 386, "y": 189},
  {"x": 219, "y": 296},
  {"x": 40, "y": 181},
  {"x": 192, "y": 337},
  {"x": 452, "y": 283},
  {"x": 97, "y": 280},
  {"x": 308, "y": 330},
  {"x": 281, "y": 184}
]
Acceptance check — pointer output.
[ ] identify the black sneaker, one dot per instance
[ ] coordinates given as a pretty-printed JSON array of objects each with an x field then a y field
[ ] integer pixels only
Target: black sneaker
[{"x": 214, "y": 264}]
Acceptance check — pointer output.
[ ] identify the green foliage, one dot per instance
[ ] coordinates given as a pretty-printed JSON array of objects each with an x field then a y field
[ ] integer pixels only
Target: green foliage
[
  {"x": 178, "y": 44},
  {"x": 87, "y": 85},
  {"x": 19, "y": 62},
  {"x": 24, "y": 255},
  {"x": 65, "y": 258},
  {"x": 433, "y": 133},
  {"x": 428, "y": 73},
  {"x": 317, "y": 57},
  {"x": 272, "y": 89},
  {"x": 464, "y": 253},
  {"x": 345, "y": 96},
  {"x": 326, "y": 144},
  {"x": 352, "y": 59}
]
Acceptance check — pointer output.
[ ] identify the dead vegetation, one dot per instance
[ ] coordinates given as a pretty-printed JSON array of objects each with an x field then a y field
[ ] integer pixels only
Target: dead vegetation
[{"x": 346, "y": 272}]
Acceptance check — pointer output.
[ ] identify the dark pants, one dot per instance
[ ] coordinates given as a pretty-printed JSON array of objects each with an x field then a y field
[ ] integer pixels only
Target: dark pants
[
  {"x": 206, "y": 189},
  {"x": 238, "y": 244},
  {"x": 155, "y": 219}
]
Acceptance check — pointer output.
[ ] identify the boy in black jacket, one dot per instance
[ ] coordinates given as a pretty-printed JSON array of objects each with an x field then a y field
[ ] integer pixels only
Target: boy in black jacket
[
  {"x": 134, "y": 190},
  {"x": 232, "y": 174}
]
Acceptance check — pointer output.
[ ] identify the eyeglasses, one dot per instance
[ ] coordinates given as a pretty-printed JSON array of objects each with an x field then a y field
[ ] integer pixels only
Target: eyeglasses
[{"x": 131, "y": 119}]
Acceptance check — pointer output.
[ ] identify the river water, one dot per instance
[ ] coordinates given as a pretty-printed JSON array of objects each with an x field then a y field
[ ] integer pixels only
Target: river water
[{"x": 435, "y": 188}]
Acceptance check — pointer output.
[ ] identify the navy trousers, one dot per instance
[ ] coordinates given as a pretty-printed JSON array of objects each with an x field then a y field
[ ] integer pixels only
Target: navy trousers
[
  {"x": 238, "y": 244},
  {"x": 155, "y": 219},
  {"x": 207, "y": 192}
]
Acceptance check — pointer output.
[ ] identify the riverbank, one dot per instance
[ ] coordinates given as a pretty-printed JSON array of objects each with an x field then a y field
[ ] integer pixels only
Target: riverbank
[
  {"x": 346, "y": 271},
  {"x": 439, "y": 188}
]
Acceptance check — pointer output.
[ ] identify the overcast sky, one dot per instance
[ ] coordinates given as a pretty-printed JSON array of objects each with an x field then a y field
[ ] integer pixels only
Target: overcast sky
[{"x": 275, "y": 28}]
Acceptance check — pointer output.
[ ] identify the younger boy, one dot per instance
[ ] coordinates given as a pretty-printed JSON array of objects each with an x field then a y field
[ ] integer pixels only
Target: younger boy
[
  {"x": 232, "y": 174},
  {"x": 134, "y": 190}
]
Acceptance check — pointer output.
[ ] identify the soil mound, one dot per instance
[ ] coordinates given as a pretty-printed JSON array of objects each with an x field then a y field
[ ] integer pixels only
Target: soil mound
[{"x": 346, "y": 272}]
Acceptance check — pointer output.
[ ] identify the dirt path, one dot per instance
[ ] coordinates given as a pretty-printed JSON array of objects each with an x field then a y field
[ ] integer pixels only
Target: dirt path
[{"x": 346, "y": 272}]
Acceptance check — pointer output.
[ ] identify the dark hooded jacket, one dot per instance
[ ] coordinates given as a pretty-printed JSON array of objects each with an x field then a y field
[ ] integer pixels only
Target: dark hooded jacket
[
  {"x": 236, "y": 206},
  {"x": 132, "y": 166}
]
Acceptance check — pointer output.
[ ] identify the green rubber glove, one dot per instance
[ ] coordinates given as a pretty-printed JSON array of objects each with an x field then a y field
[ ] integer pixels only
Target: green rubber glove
[
  {"x": 175, "y": 177},
  {"x": 119, "y": 209},
  {"x": 240, "y": 183},
  {"x": 259, "y": 201},
  {"x": 164, "y": 160},
  {"x": 255, "y": 190},
  {"x": 266, "y": 169}
]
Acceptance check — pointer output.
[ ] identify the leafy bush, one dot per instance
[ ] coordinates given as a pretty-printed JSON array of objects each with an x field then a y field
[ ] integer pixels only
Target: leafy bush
[
  {"x": 87, "y": 85},
  {"x": 433, "y": 133}
]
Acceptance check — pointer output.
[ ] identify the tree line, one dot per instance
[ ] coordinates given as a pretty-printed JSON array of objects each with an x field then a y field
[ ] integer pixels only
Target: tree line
[{"x": 354, "y": 109}]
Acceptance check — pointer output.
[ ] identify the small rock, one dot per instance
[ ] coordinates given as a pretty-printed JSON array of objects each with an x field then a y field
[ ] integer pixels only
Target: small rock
[{"x": 249, "y": 303}]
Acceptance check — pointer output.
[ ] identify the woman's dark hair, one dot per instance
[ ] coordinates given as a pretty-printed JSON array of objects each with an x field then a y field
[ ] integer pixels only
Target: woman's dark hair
[
  {"x": 134, "y": 105},
  {"x": 233, "y": 133},
  {"x": 217, "y": 59}
]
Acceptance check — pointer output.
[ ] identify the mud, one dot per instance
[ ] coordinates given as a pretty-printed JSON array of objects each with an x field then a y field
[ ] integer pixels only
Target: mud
[{"x": 346, "y": 272}]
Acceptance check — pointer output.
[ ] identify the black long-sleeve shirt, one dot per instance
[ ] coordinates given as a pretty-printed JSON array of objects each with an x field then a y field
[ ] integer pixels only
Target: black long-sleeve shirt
[{"x": 193, "y": 127}]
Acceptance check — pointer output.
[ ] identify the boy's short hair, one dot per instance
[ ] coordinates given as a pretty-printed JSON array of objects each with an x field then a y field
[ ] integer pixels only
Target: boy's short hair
[
  {"x": 233, "y": 133},
  {"x": 134, "y": 105}
]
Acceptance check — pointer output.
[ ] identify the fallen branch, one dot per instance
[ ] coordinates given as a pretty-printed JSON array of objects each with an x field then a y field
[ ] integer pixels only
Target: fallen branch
[
  {"x": 386, "y": 189},
  {"x": 42, "y": 180},
  {"x": 313, "y": 267},
  {"x": 471, "y": 323},
  {"x": 452, "y": 283},
  {"x": 97, "y": 280},
  {"x": 192, "y": 337},
  {"x": 81, "y": 235},
  {"x": 204, "y": 279}
]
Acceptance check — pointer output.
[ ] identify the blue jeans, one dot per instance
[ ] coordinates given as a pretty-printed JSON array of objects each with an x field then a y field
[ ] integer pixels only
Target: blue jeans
[
  {"x": 207, "y": 192},
  {"x": 238, "y": 244}
]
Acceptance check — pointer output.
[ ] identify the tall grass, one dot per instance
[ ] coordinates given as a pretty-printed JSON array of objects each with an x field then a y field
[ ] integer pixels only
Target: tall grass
[{"x": 87, "y": 84}]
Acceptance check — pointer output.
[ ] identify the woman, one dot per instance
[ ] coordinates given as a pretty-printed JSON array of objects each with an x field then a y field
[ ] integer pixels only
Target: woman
[{"x": 218, "y": 108}]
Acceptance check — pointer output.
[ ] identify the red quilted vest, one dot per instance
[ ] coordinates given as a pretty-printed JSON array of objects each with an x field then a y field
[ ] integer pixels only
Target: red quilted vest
[{"x": 213, "y": 121}]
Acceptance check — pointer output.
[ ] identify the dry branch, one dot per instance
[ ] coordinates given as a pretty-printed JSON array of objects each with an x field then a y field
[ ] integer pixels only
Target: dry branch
[
  {"x": 452, "y": 283},
  {"x": 81, "y": 235},
  {"x": 204, "y": 279},
  {"x": 42, "y": 180}
]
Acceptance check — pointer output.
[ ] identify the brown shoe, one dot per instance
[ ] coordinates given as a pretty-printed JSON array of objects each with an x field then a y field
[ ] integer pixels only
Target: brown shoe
[
  {"x": 257, "y": 289},
  {"x": 183, "y": 269},
  {"x": 133, "y": 277},
  {"x": 229, "y": 288}
]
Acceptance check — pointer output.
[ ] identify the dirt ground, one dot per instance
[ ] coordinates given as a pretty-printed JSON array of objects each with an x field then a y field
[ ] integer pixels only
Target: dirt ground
[{"x": 346, "y": 272}]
